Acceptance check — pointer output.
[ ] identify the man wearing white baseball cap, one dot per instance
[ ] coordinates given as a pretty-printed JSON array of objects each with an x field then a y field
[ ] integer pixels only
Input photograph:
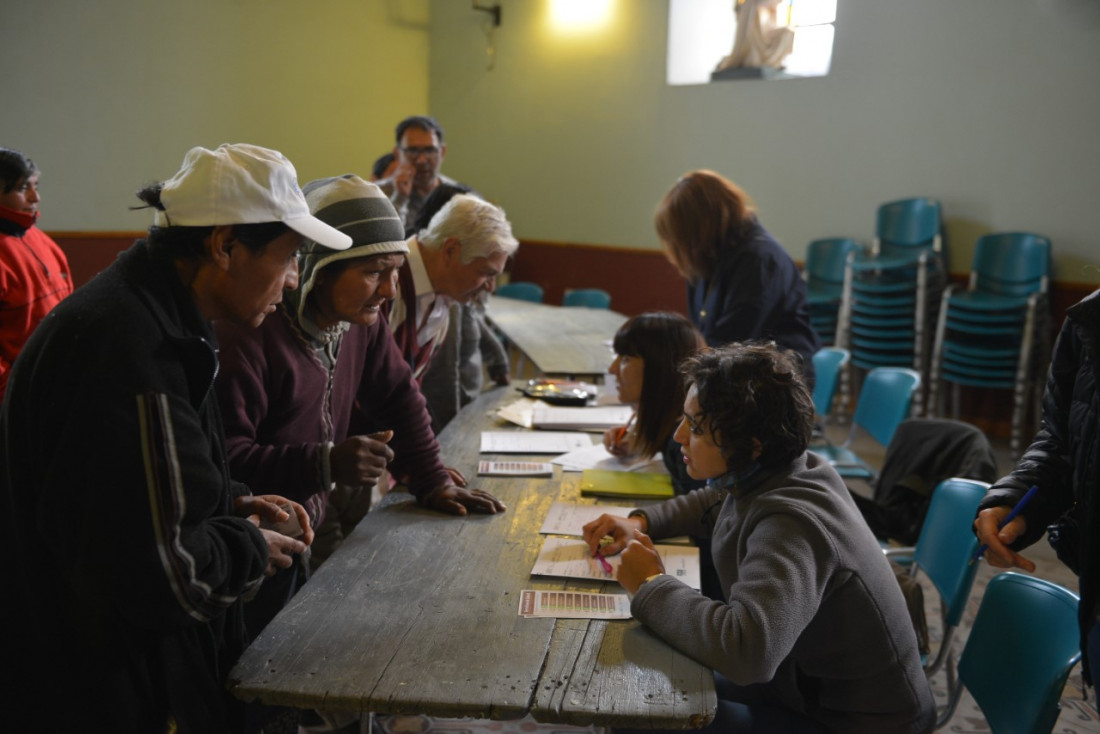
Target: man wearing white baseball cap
[{"x": 131, "y": 547}]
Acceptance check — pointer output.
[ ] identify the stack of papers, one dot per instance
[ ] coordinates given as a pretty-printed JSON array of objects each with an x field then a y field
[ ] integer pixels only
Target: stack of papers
[{"x": 598, "y": 418}]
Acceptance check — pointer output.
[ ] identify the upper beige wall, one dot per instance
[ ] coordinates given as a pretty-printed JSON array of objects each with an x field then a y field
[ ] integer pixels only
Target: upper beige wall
[
  {"x": 109, "y": 95},
  {"x": 991, "y": 106}
]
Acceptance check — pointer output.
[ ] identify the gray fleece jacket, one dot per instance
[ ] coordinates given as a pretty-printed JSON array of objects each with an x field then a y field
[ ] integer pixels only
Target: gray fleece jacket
[{"x": 813, "y": 610}]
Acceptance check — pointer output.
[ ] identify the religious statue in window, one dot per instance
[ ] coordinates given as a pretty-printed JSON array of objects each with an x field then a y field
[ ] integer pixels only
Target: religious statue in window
[{"x": 762, "y": 39}]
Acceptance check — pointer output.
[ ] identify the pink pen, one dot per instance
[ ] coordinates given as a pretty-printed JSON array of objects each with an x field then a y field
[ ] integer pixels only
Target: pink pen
[{"x": 603, "y": 562}]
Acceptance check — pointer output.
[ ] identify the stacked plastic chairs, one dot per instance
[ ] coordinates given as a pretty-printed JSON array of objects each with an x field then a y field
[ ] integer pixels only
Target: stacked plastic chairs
[
  {"x": 824, "y": 275},
  {"x": 891, "y": 294},
  {"x": 587, "y": 297},
  {"x": 995, "y": 333}
]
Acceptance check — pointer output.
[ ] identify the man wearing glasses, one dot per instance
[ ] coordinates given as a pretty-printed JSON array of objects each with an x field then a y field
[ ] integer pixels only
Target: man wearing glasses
[{"x": 420, "y": 150}]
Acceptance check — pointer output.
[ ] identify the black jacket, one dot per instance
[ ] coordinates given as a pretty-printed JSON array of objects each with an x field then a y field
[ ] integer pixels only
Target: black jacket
[
  {"x": 126, "y": 562},
  {"x": 1064, "y": 458}
]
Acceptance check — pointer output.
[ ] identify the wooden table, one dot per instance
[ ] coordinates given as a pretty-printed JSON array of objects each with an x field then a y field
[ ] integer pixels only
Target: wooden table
[
  {"x": 558, "y": 340},
  {"x": 417, "y": 613}
]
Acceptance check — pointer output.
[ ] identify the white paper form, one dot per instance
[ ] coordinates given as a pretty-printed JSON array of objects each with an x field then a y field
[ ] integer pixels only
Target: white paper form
[
  {"x": 533, "y": 442},
  {"x": 573, "y": 605},
  {"x": 570, "y": 558},
  {"x": 567, "y": 518},
  {"x": 595, "y": 456}
]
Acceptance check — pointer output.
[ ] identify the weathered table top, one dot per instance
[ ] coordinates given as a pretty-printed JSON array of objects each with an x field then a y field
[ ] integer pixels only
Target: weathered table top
[
  {"x": 417, "y": 612},
  {"x": 558, "y": 340}
]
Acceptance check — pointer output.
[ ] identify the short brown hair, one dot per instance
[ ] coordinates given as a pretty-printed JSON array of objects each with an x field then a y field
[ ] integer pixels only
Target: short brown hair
[{"x": 702, "y": 213}]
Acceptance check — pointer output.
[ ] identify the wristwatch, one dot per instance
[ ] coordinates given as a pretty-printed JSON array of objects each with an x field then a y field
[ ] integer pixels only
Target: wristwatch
[{"x": 650, "y": 578}]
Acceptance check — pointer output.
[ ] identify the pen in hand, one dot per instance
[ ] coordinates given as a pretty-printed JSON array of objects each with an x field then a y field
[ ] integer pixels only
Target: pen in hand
[
  {"x": 603, "y": 562},
  {"x": 1008, "y": 518}
]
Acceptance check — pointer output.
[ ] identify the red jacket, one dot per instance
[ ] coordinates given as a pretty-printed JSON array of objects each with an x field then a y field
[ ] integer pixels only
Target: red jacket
[{"x": 34, "y": 277}]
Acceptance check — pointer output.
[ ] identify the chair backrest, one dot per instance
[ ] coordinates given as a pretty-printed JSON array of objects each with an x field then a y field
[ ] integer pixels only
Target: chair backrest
[
  {"x": 946, "y": 545},
  {"x": 588, "y": 297},
  {"x": 1011, "y": 264},
  {"x": 907, "y": 224},
  {"x": 884, "y": 401},
  {"x": 1020, "y": 651},
  {"x": 521, "y": 291},
  {"x": 828, "y": 363},
  {"x": 825, "y": 259}
]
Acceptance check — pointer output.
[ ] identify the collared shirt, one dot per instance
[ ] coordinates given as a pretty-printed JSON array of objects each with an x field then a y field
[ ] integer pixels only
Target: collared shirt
[{"x": 433, "y": 308}]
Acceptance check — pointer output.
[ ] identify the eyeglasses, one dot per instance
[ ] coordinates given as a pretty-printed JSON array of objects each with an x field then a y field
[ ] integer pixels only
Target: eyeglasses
[{"x": 429, "y": 152}]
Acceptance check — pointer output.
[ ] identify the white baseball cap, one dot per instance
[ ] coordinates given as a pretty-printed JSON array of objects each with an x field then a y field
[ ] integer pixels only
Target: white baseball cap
[{"x": 241, "y": 184}]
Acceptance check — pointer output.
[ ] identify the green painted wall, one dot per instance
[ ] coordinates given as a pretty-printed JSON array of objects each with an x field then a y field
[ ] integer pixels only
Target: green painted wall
[
  {"x": 109, "y": 95},
  {"x": 991, "y": 106}
]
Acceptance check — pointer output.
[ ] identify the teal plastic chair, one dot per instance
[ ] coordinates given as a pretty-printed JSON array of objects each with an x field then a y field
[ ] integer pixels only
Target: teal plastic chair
[
  {"x": 884, "y": 402},
  {"x": 943, "y": 552},
  {"x": 1021, "y": 649},
  {"x": 522, "y": 291},
  {"x": 828, "y": 364},
  {"x": 587, "y": 297}
]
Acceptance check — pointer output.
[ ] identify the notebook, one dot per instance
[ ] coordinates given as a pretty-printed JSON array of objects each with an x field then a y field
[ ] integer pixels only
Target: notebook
[{"x": 625, "y": 484}]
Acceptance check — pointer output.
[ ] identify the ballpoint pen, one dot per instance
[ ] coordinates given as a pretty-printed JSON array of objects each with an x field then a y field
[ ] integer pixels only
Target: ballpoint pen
[{"x": 1008, "y": 518}]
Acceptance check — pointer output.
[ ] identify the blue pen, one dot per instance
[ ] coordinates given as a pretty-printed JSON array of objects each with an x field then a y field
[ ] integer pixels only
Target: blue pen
[{"x": 1008, "y": 518}]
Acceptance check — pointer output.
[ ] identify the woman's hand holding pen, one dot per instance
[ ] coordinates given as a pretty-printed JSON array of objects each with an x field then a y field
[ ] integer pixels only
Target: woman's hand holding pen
[
  {"x": 619, "y": 529},
  {"x": 614, "y": 441},
  {"x": 998, "y": 554}
]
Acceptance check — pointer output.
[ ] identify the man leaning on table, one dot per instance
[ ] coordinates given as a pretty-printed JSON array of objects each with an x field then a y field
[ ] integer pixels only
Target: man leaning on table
[
  {"x": 288, "y": 389},
  {"x": 459, "y": 256}
]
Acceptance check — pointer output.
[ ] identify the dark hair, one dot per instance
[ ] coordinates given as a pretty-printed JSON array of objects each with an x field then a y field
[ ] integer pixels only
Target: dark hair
[
  {"x": 700, "y": 216},
  {"x": 435, "y": 201},
  {"x": 662, "y": 340},
  {"x": 378, "y": 170},
  {"x": 15, "y": 168},
  {"x": 753, "y": 390},
  {"x": 420, "y": 122},
  {"x": 175, "y": 242}
]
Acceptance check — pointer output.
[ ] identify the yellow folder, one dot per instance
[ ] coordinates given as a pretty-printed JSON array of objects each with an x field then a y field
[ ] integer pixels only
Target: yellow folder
[{"x": 625, "y": 484}]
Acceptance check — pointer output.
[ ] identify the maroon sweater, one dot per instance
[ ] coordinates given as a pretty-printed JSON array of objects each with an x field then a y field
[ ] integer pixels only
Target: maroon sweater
[{"x": 279, "y": 412}]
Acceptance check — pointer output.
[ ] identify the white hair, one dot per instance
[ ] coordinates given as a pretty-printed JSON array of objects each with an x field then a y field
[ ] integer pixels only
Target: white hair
[{"x": 480, "y": 228}]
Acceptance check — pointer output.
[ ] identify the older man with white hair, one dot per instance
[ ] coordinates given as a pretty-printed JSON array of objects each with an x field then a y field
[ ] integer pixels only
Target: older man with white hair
[{"x": 458, "y": 256}]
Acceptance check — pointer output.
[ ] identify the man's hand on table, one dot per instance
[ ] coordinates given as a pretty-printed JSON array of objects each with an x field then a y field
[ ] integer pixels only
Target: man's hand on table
[{"x": 456, "y": 500}]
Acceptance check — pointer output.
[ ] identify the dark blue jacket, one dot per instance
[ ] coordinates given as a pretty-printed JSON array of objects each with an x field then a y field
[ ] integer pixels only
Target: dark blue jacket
[{"x": 755, "y": 292}]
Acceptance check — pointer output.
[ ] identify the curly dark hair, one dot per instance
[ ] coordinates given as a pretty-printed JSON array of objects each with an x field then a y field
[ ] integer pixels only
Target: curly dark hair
[{"x": 753, "y": 390}]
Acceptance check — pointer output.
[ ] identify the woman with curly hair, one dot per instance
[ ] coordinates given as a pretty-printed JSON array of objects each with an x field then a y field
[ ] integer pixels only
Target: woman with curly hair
[{"x": 812, "y": 632}]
